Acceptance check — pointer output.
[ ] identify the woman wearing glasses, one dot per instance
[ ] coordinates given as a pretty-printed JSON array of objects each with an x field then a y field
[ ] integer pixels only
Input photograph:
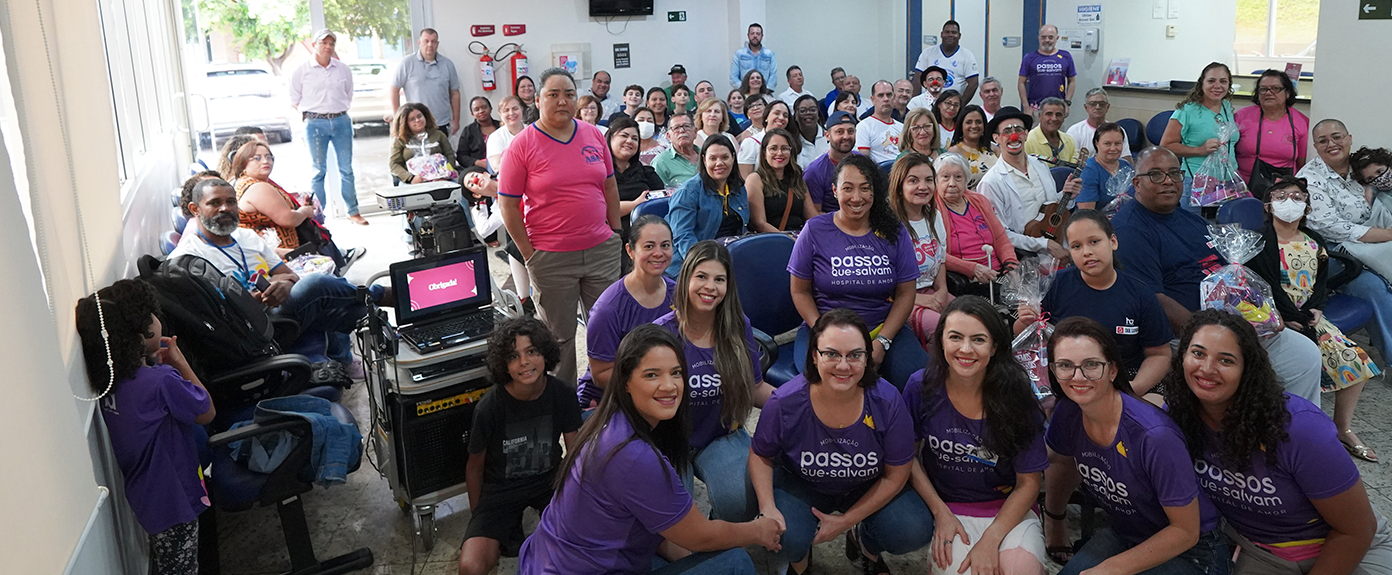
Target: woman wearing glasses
[
  {"x": 1274, "y": 133},
  {"x": 1268, "y": 460},
  {"x": 1134, "y": 464},
  {"x": 980, "y": 445},
  {"x": 838, "y": 439},
  {"x": 1294, "y": 262},
  {"x": 265, "y": 206},
  {"x": 1339, "y": 208},
  {"x": 922, "y": 130},
  {"x": 945, "y": 109}
]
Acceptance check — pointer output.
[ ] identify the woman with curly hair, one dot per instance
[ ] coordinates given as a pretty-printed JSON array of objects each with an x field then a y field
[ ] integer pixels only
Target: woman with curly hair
[
  {"x": 860, "y": 257},
  {"x": 513, "y": 446},
  {"x": 980, "y": 445},
  {"x": 151, "y": 402},
  {"x": 1270, "y": 461},
  {"x": 1134, "y": 464},
  {"x": 1372, "y": 167}
]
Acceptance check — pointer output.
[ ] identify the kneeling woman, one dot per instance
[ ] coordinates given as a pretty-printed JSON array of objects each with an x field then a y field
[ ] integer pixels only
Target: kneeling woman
[
  {"x": 838, "y": 439},
  {"x": 1310, "y": 512},
  {"x": 981, "y": 445},
  {"x": 1133, "y": 462},
  {"x": 724, "y": 378},
  {"x": 618, "y": 495}
]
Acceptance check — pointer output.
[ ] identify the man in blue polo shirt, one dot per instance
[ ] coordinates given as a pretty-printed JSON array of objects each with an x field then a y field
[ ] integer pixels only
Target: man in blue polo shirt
[{"x": 1168, "y": 249}]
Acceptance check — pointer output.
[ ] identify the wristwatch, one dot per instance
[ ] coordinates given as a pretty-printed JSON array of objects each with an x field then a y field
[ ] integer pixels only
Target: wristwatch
[
  {"x": 884, "y": 341},
  {"x": 1069, "y": 102}
]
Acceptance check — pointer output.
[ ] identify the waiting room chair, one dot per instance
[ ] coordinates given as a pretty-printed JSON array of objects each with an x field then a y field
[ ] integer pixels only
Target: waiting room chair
[
  {"x": 760, "y": 262},
  {"x": 1135, "y": 134},
  {"x": 1060, "y": 175},
  {"x": 885, "y": 167},
  {"x": 656, "y": 206},
  {"x": 1249, "y": 213},
  {"x": 169, "y": 241},
  {"x": 1155, "y": 128}
]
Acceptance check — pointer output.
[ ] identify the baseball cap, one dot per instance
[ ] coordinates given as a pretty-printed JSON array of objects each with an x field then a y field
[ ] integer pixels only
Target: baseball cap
[
  {"x": 323, "y": 33},
  {"x": 677, "y": 69},
  {"x": 840, "y": 117}
]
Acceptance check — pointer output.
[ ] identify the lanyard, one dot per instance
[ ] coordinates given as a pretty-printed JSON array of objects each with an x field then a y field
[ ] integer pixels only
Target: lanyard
[{"x": 242, "y": 266}]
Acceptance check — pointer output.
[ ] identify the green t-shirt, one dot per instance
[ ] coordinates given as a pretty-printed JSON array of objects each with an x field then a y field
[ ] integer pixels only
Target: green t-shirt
[{"x": 1199, "y": 124}]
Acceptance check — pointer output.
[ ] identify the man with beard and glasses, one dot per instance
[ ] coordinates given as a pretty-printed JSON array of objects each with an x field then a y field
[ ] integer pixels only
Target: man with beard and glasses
[
  {"x": 318, "y": 302},
  {"x": 1047, "y": 72}
]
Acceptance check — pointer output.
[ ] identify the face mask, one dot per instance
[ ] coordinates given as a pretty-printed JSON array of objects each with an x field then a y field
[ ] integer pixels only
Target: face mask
[
  {"x": 1288, "y": 210},
  {"x": 1383, "y": 183},
  {"x": 645, "y": 130}
]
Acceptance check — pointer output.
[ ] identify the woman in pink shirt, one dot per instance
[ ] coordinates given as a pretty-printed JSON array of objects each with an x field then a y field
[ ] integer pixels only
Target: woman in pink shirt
[
  {"x": 969, "y": 223},
  {"x": 1272, "y": 130}
]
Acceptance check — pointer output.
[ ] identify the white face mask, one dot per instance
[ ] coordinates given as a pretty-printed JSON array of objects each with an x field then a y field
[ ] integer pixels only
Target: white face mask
[
  {"x": 645, "y": 130},
  {"x": 1288, "y": 210}
]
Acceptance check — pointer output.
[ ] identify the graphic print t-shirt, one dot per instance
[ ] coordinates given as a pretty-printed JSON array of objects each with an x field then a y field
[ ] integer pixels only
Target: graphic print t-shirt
[{"x": 521, "y": 438}]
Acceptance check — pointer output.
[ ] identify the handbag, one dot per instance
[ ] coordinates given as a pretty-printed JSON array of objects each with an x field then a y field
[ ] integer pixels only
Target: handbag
[{"x": 1264, "y": 175}]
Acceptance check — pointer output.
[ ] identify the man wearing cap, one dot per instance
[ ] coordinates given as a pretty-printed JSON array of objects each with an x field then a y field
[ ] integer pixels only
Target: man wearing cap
[
  {"x": 878, "y": 135},
  {"x": 1019, "y": 184},
  {"x": 820, "y": 175},
  {"x": 429, "y": 78},
  {"x": 754, "y": 56},
  {"x": 932, "y": 81},
  {"x": 678, "y": 75},
  {"x": 322, "y": 89},
  {"x": 958, "y": 63}
]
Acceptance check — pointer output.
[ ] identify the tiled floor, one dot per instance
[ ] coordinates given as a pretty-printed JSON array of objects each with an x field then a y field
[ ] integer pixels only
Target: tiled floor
[{"x": 362, "y": 512}]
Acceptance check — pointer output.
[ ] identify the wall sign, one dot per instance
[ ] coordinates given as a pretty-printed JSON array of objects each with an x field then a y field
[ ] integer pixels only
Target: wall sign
[
  {"x": 481, "y": 29},
  {"x": 621, "y": 59},
  {"x": 1089, "y": 14},
  {"x": 1375, "y": 10},
  {"x": 514, "y": 29}
]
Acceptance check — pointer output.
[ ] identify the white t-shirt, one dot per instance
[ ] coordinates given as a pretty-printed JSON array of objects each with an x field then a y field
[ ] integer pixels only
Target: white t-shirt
[
  {"x": 924, "y": 100},
  {"x": 929, "y": 249},
  {"x": 791, "y": 97},
  {"x": 1082, "y": 133},
  {"x": 879, "y": 139},
  {"x": 498, "y": 143},
  {"x": 749, "y": 149},
  {"x": 945, "y": 136},
  {"x": 810, "y": 150},
  {"x": 247, "y": 254},
  {"x": 959, "y": 66}
]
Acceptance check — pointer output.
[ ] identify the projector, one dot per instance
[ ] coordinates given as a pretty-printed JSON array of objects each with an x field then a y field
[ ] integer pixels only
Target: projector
[{"x": 408, "y": 197}]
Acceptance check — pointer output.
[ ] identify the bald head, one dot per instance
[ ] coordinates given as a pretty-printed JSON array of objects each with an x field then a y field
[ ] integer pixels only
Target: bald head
[
  {"x": 903, "y": 92},
  {"x": 1048, "y": 37},
  {"x": 1159, "y": 197},
  {"x": 1148, "y": 156},
  {"x": 1329, "y": 122}
]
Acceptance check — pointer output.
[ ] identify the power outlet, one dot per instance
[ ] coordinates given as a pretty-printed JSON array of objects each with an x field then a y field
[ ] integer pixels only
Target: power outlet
[{"x": 1171, "y": 31}]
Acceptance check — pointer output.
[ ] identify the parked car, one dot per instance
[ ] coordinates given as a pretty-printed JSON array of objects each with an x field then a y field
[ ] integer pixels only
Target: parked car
[
  {"x": 371, "y": 91},
  {"x": 245, "y": 95}
]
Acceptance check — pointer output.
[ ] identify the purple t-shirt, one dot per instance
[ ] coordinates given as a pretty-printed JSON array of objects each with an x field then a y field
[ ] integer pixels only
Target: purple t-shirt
[
  {"x": 834, "y": 461},
  {"x": 820, "y": 177},
  {"x": 703, "y": 382},
  {"x": 611, "y": 318},
  {"x": 1048, "y": 75},
  {"x": 608, "y": 518},
  {"x": 1142, "y": 471},
  {"x": 855, "y": 272},
  {"x": 962, "y": 471},
  {"x": 151, "y": 419},
  {"x": 1272, "y": 504}
]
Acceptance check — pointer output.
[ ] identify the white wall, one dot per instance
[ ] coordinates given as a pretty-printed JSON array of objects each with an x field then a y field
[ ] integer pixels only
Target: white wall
[
  {"x": 866, "y": 38},
  {"x": 1345, "y": 85}
]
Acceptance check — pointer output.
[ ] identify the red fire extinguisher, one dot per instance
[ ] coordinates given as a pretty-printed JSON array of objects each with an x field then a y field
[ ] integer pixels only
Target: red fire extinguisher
[
  {"x": 519, "y": 64},
  {"x": 485, "y": 65}
]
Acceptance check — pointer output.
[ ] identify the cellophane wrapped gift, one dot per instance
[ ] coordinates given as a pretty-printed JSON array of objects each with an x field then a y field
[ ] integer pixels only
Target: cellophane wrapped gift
[
  {"x": 429, "y": 165},
  {"x": 1216, "y": 182},
  {"x": 1027, "y": 284},
  {"x": 1233, "y": 287}
]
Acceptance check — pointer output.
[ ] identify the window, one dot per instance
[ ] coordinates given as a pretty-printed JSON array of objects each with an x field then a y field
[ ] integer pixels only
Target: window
[
  {"x": 140, "y": 67},
  {"x": 1283, "y": 29}
]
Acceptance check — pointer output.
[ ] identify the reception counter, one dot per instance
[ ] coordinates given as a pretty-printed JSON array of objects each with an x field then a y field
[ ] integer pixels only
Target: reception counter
[{"x": 1142, "y": 103}]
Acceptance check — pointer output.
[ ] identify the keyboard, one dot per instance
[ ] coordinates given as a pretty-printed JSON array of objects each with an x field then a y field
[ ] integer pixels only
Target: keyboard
[{"x": 450, "y": 333}]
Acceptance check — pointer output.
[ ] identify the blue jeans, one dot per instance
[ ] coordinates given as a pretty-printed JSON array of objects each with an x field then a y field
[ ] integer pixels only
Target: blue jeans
[
  {"x": 1371, "y": 287},
  {"x": 339, "y": 132},
  {"x": 904, "y": 357},
  {"x": 1209, "y": 556},
  {"x": 724, "y": 467},
  {"x": 902, "y": 526},
  {"x": 327, "y": 303},
  {"x": 727, "y": 562}
]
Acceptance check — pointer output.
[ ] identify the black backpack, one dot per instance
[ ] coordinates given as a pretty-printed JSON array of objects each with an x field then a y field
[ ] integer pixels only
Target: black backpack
[
  {"x": 440, "y": 229},
  {"x": 220, "y": 325}
]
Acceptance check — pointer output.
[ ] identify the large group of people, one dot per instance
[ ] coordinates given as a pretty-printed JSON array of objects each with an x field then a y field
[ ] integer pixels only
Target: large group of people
[{"x": 910, "y": 424}]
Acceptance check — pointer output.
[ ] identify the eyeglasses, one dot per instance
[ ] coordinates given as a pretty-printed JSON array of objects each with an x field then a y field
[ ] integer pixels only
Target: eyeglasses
[
  {"x": 1337, "y": 138},
  {"x": 1158, "y": 176},
  {"x": 1279, "y": 195},
  {"x": 1097, "y": 104},
  {"x": 682, "y": 128},
  {"x": 950, "y": 104},
  {"x": 920, "y": 129},
  {"x": 1013, "y": 130},
  {"x": 856, "y": 357},
  {"x": 780, "y": 149},
  {"x": 1271, "y": 89},
  {"x": 268, "y": 158},
  {"x": 1092, "y": 369}
]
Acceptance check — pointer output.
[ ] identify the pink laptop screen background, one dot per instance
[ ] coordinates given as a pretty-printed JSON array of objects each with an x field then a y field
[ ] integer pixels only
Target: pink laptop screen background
[{"x": 442, "y": 285}]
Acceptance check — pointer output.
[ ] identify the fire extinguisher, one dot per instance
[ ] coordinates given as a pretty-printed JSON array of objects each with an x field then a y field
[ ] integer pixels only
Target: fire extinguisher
[
  {"x": 485, "y": 66},
  {"x": 519, "y": 64}
]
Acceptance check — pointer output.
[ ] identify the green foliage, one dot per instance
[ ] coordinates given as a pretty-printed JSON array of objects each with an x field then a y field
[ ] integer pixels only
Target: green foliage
[
  {"x": 268, "y": 29},
  {"x": 389, "y": 19}
]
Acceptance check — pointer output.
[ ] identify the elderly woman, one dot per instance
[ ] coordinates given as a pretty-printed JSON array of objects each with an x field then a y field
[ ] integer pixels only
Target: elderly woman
[
  {"x": 591, "y": 111},
  {"x": 1273, "y": 133},
  {"x": 970, "y": 224},
  {"x": 711, "y": 119}
]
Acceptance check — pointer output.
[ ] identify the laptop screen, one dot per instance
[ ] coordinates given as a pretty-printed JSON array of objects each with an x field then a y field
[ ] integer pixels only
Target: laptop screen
[{"x": 428, "y": 287}]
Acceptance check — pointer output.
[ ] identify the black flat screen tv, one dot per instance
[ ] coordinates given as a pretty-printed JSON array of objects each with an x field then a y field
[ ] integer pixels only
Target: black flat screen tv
[{"x": 621, "y": 7}]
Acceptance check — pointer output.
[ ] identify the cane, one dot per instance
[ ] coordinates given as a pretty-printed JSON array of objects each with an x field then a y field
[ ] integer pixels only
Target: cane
[{"x": 990, "y": 249}]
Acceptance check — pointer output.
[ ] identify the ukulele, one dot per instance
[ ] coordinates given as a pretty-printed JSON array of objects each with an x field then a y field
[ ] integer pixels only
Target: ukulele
[{"x": 1052, "y": 217}]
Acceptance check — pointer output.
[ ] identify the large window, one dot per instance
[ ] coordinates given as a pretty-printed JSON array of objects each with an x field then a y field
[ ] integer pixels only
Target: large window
[
  {"x": 1271, "y": 32},
  {"x": 140, "y": 66}
]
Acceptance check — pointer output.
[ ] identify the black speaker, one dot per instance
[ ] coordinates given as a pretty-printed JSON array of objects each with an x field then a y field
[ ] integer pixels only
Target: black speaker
[{"x": 432, "y": 435}]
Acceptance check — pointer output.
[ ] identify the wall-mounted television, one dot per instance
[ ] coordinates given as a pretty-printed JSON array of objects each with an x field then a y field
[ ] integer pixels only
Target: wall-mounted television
[{"x": 621, "y": 7}]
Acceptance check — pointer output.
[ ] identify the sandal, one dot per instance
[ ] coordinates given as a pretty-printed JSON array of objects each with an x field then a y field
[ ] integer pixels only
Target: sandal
[
  {"x": 1060, "y": 554},
  {"x": 1360, "y": 451},
  {"x": 855, "y": 552}
]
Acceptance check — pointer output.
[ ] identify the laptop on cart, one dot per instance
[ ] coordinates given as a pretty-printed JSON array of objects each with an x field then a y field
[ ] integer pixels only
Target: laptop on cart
[{"x": 444, "y": 300}]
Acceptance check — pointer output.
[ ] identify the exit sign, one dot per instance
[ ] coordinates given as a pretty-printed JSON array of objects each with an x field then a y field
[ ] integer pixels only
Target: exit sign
[
  {"x": 1375, "y": 10},
  {"x": 680, "y": 15}
]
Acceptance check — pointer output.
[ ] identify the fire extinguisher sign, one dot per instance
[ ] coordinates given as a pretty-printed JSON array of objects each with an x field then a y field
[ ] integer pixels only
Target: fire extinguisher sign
[
  {"x": 514, "y": 29},
  {"x": 481, "y": 30}
]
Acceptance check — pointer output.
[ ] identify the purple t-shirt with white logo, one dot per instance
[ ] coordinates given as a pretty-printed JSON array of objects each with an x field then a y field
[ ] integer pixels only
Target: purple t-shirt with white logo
[
  {"x": 855, "y": 272},
  {"x": 703, "y": 382},
  {"x": 611, "y": 318},
  {"x": 1144, "y": 469},
  {"x": 151, "y": 419},
  {"x": 834, "y": 461},
  {"x": 1272, "y": 504},
  {"x": 961, "y": 469},
  {"x": 608, "y": 515},
  {"x": 1048, "y": 75}
]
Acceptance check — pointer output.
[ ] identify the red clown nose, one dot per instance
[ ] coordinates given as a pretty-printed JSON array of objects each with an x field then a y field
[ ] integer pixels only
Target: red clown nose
[{"x": 1015, "y": 137}]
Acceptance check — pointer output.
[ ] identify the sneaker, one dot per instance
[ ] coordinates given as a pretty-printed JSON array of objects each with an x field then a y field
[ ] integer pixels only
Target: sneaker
[
  {"x": 353, "y": 254},
  {"x": 529, "y": 307}
]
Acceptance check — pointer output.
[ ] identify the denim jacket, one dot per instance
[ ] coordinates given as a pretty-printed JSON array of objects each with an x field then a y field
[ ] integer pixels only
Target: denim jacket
[
  {"x": 336, "y": 446},
  {"x": 695, "y": 213},
  {"x": 744, "y": 60}
]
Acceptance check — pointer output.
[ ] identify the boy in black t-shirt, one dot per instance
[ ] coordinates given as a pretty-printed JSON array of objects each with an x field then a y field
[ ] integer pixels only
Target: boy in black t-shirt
[{"x": 513, "y": 449}]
